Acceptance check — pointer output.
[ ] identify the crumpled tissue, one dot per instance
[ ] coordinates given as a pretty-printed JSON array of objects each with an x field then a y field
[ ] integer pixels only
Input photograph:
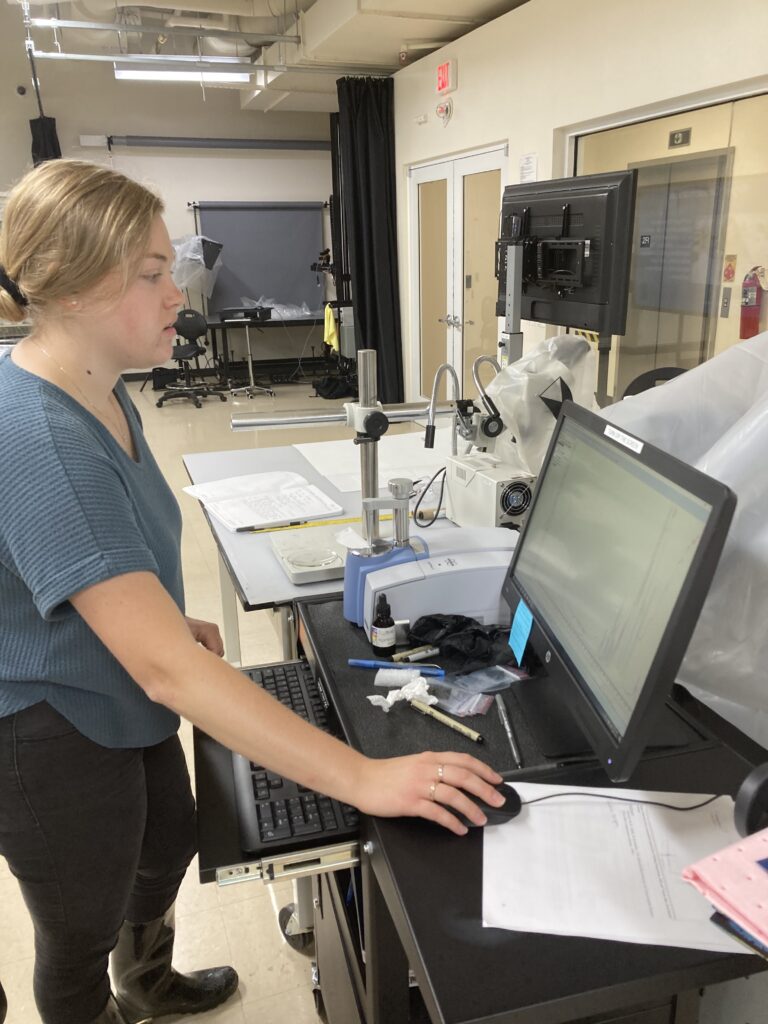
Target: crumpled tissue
[{"x": 417, "y": 689}]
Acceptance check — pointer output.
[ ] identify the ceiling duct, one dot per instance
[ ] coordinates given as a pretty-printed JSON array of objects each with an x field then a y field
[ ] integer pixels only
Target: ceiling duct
[{"x": 315, "y": 41}]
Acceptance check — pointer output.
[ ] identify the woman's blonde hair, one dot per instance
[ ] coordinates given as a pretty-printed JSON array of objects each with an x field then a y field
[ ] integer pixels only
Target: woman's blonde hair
[{"x": 66, "y": 225}]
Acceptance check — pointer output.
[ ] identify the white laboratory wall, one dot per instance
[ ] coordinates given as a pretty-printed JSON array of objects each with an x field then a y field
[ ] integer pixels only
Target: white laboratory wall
[{"x": 534, "y": 75}]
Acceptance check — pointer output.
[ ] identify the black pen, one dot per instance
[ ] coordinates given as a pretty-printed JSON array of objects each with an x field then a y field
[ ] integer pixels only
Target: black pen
[
  {"x": 548, "y": 768},
  {"x": 508, "y": 730}
]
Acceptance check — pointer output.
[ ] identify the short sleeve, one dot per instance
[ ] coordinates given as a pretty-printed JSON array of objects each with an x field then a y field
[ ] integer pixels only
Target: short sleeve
[{"x": 67, "y": 520}]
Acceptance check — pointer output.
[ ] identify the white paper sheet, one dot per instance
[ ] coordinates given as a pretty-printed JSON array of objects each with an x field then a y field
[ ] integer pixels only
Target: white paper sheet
[
  {"x": 605, "y": 869},
  {"x": 264, "y": 499},
  {"x": 399, "y": 455}
]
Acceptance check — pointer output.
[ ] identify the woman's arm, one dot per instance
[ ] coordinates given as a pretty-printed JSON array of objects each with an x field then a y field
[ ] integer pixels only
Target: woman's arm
[{"x": 137, "y": 621}]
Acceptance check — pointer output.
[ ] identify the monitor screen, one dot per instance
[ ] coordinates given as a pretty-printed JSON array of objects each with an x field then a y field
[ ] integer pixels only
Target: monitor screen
[
  {"x": 613, "y": 565},
  {"x": 576, "y": 240}
]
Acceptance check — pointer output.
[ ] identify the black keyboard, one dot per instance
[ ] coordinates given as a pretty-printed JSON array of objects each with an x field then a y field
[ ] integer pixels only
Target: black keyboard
[{"x": 274, "y": 811}]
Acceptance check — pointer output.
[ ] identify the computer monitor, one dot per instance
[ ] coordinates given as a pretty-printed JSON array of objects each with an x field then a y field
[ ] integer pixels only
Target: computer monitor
[
  {"x": 576, "y": 239},
  {"x": 608, "y": 579}
]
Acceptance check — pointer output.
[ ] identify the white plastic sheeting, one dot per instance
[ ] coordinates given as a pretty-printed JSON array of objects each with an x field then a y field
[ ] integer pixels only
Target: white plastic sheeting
[
  {"x": 190, "y": 270},
  {"x": 517, "y": 389},
  {"x": 715, "y": 417}
]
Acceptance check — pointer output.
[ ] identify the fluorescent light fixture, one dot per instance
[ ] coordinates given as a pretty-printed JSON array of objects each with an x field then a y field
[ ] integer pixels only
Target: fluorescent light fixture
[{"x": 211, "y": 77}]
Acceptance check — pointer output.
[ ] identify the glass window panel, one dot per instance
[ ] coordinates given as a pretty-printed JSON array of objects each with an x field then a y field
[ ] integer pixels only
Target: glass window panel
[
  {"x": 482, "y": 202},
  {"x": 433, "y": 280},
  {"x": 700, "y": 226}
]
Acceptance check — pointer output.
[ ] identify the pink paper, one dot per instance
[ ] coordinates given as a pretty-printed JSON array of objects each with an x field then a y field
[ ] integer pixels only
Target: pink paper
[{"x": 735, "y": 881}]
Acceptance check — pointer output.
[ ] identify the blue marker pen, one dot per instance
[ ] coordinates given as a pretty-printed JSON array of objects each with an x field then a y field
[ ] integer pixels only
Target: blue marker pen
[{"x": 423, "y": 670}]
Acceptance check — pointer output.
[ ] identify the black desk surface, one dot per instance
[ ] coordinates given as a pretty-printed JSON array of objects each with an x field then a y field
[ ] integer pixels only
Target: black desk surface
[
  {"x": 216, "y": 322},
  {"x": 432, "y": 880}
]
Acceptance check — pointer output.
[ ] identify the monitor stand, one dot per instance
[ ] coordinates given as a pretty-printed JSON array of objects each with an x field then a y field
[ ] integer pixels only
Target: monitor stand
[{"x": 557, "y": 733}]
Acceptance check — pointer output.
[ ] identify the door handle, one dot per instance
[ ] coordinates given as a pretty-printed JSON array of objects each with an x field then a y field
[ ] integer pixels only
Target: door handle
[{"x": 453, "y": 321}]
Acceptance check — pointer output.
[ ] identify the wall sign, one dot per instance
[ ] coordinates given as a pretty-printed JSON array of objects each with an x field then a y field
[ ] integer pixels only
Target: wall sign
[
  {"x": 682, "y": 137},
  {"x": 446, "y": 77}
]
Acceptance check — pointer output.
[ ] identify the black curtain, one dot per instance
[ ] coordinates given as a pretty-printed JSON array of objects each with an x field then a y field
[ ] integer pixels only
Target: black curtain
[
  {"x": 367, "y": 157},
  {"x": 45, "y": 141}
]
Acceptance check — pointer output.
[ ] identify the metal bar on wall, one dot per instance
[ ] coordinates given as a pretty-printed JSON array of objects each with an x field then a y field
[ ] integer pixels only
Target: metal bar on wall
[{"x": 182, "y": 142}]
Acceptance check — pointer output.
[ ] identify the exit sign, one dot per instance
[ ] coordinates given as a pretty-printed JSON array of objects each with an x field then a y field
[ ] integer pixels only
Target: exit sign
[{"x": 446, "y": 77}]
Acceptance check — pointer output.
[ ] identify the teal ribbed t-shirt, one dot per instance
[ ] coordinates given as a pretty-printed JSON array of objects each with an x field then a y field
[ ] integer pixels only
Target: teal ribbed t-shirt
[{"x": 75, "y": 510}]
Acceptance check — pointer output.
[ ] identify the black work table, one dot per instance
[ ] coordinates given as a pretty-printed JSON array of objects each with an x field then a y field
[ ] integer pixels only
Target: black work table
[
  {"x": 422, "y": 886},
  {"x": 216, "y": 324}
]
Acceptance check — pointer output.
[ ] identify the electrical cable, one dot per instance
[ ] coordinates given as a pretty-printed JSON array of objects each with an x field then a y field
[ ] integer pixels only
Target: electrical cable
[
  {"x": 621, "y": 799},
  {"x": 426, "y": 525},
  {"x": 309, "y": 337}
]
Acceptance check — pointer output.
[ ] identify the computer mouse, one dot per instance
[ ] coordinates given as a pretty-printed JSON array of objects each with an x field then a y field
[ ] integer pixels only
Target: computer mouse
[{"x": 496, "y": 815}]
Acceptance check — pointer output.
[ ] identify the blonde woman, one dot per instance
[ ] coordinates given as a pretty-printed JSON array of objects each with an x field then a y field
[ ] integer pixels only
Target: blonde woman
[{"x": 98, "y": 660}]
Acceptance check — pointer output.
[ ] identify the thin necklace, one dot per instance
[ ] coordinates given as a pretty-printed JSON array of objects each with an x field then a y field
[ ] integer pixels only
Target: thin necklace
[{"x": 125, "y": 438}]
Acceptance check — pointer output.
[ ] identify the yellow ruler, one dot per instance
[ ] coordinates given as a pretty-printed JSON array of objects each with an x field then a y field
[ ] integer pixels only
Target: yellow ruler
[{"x": 309, "y": 525}]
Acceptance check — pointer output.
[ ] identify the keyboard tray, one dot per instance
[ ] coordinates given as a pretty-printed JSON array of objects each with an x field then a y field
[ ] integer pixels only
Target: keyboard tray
[{"x": 275, "y": 814}]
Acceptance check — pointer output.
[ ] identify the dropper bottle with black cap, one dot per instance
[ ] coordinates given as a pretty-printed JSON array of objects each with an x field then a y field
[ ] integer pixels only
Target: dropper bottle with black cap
[{"x": 383, "y": 629}]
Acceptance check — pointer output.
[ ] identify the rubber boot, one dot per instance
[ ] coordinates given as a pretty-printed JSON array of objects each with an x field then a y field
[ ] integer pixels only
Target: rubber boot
[
  {"x": 146, "y": 985},
  {"x": 110, "y": 1014}
]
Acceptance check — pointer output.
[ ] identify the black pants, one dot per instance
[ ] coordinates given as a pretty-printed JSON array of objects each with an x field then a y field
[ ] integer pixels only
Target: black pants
[{"x": 95, "y": 836}]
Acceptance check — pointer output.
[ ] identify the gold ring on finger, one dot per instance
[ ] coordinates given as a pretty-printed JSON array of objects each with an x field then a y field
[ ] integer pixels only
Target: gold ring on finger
[
  {"x": 432, "y": 789},
  {"x": 440, "y": 772}
]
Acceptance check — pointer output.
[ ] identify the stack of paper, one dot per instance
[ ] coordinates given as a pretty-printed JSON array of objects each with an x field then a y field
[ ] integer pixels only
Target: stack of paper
[
  {"x": 735, "y": 881},
  {"x": 399, "y": 455},
  {"x": 582, "y": 864},
  {"x": 262, "y": 500}
]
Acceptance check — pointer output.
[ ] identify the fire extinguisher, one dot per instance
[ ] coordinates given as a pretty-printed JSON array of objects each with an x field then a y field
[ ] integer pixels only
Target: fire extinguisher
[{"x": 752, "y": 288}]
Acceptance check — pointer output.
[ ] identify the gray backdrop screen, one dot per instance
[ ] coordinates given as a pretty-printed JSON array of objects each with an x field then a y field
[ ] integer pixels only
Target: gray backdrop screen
[{"x": 268, "y": 250}]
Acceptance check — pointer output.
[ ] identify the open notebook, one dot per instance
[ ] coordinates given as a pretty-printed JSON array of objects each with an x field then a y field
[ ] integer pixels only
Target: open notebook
[{"x": 262, "y": 500}]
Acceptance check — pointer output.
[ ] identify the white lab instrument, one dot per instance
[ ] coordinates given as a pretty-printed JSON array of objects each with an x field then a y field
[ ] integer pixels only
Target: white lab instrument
[
  {"x": 462, "y": 575},
  {"x": 493, "y": 484},
  {"x": 465, "y": 584},
  {"x": 309, "y": 555},
  {"x": 313, "y": 553},
  {"x": 481, "y": 491}
]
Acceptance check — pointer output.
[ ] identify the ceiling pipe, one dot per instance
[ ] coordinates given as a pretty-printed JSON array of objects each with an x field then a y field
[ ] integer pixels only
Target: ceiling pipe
[
  {"x": 171, "y": 61},
  {"x": 240, "y": 8},
  {"x": 255, "y": 39}
]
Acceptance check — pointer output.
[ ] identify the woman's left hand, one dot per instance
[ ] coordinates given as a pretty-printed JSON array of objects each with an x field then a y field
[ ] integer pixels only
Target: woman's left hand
[{"x": 207, "y": 635}]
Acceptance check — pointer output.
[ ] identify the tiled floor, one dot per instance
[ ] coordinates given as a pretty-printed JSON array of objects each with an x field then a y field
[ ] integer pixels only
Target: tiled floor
[{"x": 238, "y": 924}]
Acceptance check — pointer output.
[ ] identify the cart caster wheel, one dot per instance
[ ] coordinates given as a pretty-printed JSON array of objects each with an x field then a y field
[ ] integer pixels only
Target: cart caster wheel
[
  {"x": 198, "y": 405},
  {"x": 301, "y": 942},
  {"x": 159, "y": 405},
  {"x": 222, "y": 398}
]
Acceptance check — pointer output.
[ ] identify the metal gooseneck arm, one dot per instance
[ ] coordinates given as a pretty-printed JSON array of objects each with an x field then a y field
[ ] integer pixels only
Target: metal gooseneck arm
[
  {"x": 492, "y": 361},
  {"x": 429, "y": 438},
  {"x": 488, "y": 402}
]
